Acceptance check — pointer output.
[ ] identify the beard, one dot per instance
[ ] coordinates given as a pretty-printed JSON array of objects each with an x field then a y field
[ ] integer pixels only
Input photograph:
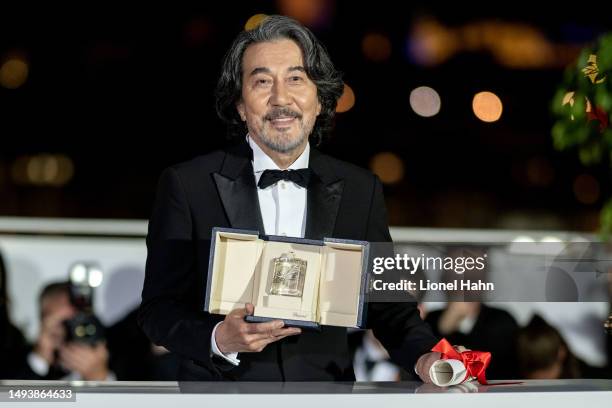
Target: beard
[{"x": 282, "y": 141}]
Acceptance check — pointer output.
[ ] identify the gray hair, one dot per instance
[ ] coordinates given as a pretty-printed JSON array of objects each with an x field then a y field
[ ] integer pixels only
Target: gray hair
[{"x": 317, "y": 64}]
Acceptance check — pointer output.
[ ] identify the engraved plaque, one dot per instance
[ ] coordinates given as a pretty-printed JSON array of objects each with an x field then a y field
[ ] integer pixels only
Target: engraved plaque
[{"x": 288, "y": 274}]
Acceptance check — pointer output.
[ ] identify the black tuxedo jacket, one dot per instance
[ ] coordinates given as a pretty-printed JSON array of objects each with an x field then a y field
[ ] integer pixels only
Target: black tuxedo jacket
[{"x": 218, "y": 189}]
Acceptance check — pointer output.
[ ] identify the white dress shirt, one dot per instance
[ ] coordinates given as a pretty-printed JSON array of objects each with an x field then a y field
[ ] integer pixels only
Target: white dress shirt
[{"x": 282, "y": 206}]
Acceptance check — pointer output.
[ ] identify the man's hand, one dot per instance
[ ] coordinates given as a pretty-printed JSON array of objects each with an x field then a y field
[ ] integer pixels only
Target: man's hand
[
  {"x": 52, "y": 334},
  {"x": 423, "y": 365},
  {"x": 234, "y": 335},
  {"x": 91, "y": 362}
]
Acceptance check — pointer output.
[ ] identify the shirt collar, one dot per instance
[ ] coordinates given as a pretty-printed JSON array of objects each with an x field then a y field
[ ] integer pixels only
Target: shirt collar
[{"x": 261, "y": 161}]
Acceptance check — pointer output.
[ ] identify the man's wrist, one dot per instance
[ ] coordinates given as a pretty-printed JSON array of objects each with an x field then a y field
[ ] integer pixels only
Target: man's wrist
[
  {"x": 214, "y": 348},
  {"x": 44, "y": 353},
  {"x": 218, "y": 328}
]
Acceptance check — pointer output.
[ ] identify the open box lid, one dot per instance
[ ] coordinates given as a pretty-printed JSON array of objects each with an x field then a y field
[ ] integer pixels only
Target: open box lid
[{"x": 225, "y": 293}]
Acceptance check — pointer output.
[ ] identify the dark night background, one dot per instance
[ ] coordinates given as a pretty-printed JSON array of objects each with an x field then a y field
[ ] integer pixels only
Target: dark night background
[{"x": 126, "y": 91}]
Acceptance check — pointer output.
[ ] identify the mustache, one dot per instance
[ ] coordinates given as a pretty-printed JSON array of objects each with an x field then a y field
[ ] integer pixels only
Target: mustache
[{"x": 282, "y": 113}]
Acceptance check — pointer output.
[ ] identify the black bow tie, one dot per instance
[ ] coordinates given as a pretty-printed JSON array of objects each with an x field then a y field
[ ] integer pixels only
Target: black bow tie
[{"x": 301, "y": 177}]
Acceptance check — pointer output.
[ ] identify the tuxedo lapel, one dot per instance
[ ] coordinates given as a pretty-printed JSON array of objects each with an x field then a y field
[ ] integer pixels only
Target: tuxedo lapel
[
  {"x": 324, "y": 196},
  {"x": 236, "y": 186}
]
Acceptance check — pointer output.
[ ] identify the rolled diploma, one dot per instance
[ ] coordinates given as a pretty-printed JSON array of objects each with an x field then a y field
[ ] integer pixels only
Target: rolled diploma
[{"x": 445, "y": 373}]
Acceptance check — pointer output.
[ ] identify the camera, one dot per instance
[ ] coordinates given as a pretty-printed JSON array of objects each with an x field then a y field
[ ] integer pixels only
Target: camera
[{"x": 84, "y": 327}]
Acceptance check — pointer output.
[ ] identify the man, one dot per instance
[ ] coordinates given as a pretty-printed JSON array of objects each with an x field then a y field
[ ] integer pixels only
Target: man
[
  {"x": 52, "y": 358},
  {"x": 278, "y": 89}
]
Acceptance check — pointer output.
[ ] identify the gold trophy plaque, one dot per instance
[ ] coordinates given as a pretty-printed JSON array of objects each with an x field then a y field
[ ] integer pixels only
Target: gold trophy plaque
[{"x": 288, "y": 274}]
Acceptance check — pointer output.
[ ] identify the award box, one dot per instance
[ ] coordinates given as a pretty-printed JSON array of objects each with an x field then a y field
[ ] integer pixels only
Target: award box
[{"x": 306, "y": 283}]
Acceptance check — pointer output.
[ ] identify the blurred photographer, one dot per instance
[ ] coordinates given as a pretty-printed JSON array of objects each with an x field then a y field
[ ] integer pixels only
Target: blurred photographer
[{"x": 58, "y": 354}]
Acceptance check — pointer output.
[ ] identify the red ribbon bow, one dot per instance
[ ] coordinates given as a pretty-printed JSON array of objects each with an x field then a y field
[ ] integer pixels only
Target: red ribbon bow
[{"x": 475, "y": 362}]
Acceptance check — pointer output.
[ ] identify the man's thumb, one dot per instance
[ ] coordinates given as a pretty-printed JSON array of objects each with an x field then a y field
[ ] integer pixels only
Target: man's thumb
[{"x": 249, "y": 308}]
